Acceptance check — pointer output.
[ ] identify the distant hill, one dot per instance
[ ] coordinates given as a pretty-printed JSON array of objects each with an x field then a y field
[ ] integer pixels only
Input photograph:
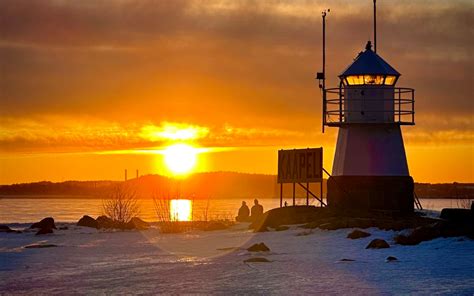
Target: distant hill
[
  {"x": 203, "y": 186},
  {"x": 199, "y": 186}
]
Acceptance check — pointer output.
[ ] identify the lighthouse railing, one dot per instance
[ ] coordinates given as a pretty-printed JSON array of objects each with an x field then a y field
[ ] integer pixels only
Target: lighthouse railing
[{"x": 339, "y": 110}]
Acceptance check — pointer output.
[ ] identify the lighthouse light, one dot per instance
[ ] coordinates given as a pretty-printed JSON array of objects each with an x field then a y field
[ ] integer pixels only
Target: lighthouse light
[
  {"x": 370, "y": 80},
  {"x": 390, "y": 80}
]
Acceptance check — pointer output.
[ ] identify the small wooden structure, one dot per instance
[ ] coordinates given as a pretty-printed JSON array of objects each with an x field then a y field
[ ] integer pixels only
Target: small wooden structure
[{"x": 302, "y": 167}]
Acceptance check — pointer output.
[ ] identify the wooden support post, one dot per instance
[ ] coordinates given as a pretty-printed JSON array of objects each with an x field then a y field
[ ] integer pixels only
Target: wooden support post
[
  {"x": 294, "y": 192},
  {"x": 312, "y": 194},
  {"x": 281, "y": 195},
  {"x": 321, "y": 192},
  {"x": 307, "y": 194}
]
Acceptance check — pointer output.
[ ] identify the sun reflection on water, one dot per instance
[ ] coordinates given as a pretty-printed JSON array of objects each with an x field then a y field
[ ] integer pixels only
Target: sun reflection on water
[{"x": 181, "y": 210}]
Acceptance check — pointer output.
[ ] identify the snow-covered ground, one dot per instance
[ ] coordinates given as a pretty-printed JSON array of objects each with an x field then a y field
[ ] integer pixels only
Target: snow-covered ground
[{"x": 87, "y": 261}]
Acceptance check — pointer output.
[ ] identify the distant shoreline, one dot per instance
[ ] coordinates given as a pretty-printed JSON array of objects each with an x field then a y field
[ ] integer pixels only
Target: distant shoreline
[
  {"x": 42, "y": 196},
  {"x": 33, "y": 196}
]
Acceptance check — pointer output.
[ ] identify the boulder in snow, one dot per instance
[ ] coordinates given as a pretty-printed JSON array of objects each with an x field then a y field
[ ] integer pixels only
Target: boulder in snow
[
  {"x": 391, "y": 259},
  {"x": 40, "y": 246},
  {"x": 458, "y": 216},
  {"x": 105, "y": 222},
  {"x": 137, "y": 223},
  {"x": 261, "y": 247},
  {"x": 356, "y": 234},
  {"x": 378, "y": 244},
  {"x": 44, "y": 231},
  {"x": 420, "y": 234},
  {"x": 45, "y": 223},
  {"x": 4, "y": 228},
  {"x": 87, "y": 221}
]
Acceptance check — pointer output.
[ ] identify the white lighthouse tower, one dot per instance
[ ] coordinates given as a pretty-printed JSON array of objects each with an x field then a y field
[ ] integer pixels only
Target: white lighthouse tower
[{"x": 370, "y": 170}]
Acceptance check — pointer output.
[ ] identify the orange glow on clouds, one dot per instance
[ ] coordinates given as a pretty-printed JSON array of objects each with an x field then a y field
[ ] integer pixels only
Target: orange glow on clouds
[
  {"x": 175, "y": 79},
  {"x": 173, "y": 131}
]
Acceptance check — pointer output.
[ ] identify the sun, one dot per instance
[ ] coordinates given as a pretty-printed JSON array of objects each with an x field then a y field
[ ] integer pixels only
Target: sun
[{"x": 180, "y": 158}]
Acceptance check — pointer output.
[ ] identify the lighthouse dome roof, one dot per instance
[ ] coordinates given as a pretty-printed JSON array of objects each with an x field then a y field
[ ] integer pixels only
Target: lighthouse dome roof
[{"x": 369, "y": 63}]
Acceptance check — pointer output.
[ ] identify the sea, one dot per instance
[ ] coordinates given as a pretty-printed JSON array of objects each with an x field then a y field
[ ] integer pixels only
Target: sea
[{"x": 71, "y": 209}]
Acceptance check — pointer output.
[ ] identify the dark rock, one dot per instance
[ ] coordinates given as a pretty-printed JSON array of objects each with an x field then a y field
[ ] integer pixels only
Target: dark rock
[
  {"x": 5, "y": 228},
  {"x": 281, "y": 228},
  {"x": 63, "y": 228},
  {"x": 261, "y": 247},
  {"x": 391, "y": 259},
  {"x": 88, "y": 221},
  {"x": 256, "y": 259},
  {"x": 138, "y": 223},
  {"x": 406, "y": 240},
  {"x": 40, "y": 246},
  {"x": 105, "y": 222},
  {"x": 420, "y": 234},
  {"x": 458, "y": 216},
  {"x": 346, "y": 260},
  {"x": 356, "y": 234},
  {"x": 134, "y": 223},
  {"x": 378, "y": 244},
  {"x": 434, "y": 230},
  {"x": 289, "y": 215},
  {"x": 47, "y": 223},
  {"x": 44, "y": 231}
]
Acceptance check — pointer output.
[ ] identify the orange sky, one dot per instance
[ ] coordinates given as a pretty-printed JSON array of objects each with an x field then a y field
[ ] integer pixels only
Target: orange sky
[{"x": 86, "y": 86}]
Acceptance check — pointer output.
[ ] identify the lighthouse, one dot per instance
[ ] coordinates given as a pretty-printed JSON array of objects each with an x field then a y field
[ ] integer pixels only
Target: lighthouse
[{"x": 370, "y": 170}]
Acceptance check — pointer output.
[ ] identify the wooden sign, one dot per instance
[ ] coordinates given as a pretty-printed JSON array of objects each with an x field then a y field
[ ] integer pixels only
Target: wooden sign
[{"x": 300, "y": 165}]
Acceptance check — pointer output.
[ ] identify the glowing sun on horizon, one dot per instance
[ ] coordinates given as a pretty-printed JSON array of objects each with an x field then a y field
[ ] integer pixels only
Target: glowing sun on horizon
[{"x": 180, "y": 158}]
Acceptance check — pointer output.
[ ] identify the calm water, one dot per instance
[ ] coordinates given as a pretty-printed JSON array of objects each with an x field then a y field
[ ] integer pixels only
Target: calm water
[{"x": 71, "y": 210}]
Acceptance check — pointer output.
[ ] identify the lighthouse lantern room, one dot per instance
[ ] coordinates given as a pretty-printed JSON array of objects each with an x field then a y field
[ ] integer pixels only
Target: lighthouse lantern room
[{"x": 370, "y": 170}]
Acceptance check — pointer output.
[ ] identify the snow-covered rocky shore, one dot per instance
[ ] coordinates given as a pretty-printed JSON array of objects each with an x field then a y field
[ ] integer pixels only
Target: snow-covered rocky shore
[{"x": 81, "y": 260}]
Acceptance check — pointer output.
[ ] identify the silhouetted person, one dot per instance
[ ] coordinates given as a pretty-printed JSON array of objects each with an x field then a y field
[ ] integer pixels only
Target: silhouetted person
[
  {"x": 244, "y": 213},
  {"x": 257, "y": 210}
]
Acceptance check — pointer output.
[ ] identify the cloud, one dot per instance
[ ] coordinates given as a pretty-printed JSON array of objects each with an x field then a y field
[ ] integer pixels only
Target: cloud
[
  {"x": 117, "y": 66},
  {"x": 173, "y": 132}
]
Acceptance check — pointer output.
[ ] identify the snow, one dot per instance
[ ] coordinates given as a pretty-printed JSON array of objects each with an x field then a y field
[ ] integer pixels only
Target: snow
[{"x": 88, "y": 261}]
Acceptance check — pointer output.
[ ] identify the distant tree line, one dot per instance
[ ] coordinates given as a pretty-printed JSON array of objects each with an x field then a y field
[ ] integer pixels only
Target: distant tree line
[{"x": 205, "y": 185}]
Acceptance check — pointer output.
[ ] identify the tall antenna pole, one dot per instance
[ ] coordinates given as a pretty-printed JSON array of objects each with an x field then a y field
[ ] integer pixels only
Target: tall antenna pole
[
  {"x": 322, "y": 76},
  {"x": 324, "y": 68},
  {"x": 375, "y": 26},
  {"x": 324, "y": 50}
]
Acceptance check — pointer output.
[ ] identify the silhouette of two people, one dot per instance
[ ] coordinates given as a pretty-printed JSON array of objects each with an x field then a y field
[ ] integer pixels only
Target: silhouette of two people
[{"x": 246, "y": 215}]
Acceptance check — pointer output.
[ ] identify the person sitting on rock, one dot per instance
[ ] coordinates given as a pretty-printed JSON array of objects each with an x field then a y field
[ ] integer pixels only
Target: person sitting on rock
[
  {"x": 244, "y": 213},
  {"x": 257, "y": 210}
]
